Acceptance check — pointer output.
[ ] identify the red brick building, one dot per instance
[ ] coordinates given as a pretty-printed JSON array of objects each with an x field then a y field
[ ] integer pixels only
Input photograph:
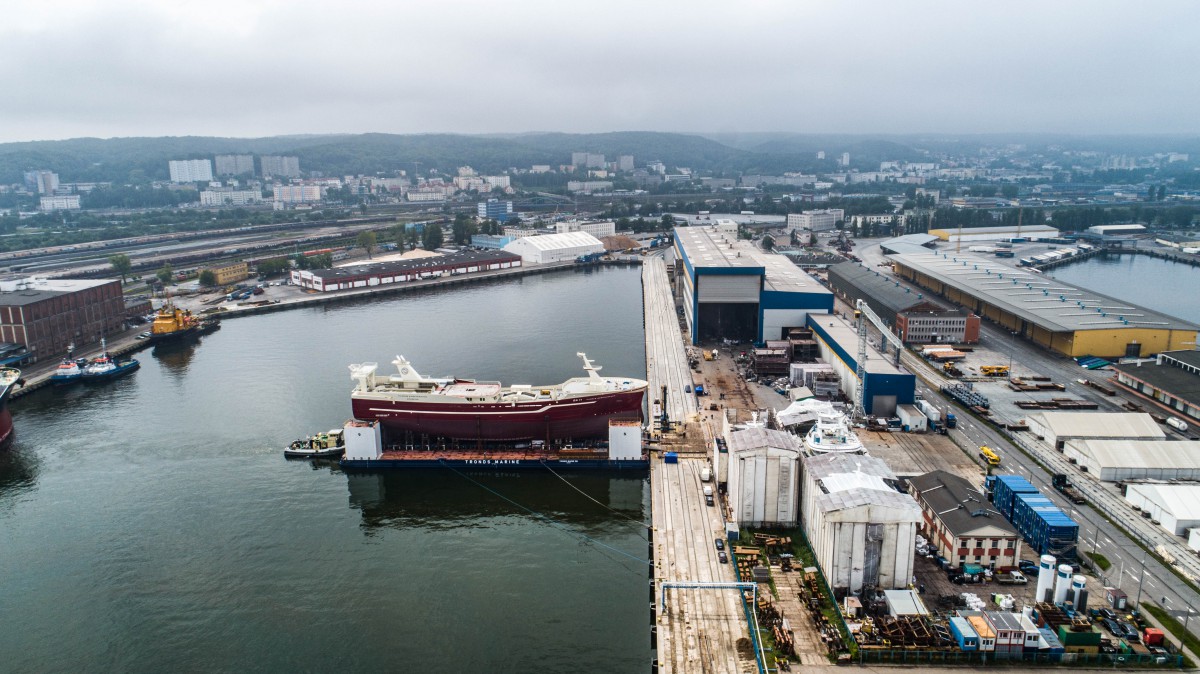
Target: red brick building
[{"x": 46, "y": 315}]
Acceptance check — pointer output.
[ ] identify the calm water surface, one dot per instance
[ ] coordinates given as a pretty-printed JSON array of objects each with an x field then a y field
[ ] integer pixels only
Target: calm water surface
[
  {"x": 152, "y": 524},
  {"x": 1170, "y": 287}
]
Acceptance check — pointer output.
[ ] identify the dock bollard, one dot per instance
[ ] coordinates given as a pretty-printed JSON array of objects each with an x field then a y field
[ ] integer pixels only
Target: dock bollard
[
  {"x": 654, "y": 636},
  {"x": 653, "y": 614}
]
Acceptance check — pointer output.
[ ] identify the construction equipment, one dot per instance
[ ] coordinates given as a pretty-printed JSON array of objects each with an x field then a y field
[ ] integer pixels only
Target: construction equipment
[
  {"x": 990, "y": 455},
  {"x": 993, "y": 370},
  {"x": 862, "y": 314}
]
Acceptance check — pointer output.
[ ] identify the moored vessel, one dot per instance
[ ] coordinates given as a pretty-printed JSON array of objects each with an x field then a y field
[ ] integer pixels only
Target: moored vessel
[
  {"x": 171, "y": 322},
  {"x": 10, "y": 379},
  {"x": 465, "y": 409},
  {"x": 69, "y": 370},
  {"x": 105, "y": 367},
  {"x": 322, "y": 445}
]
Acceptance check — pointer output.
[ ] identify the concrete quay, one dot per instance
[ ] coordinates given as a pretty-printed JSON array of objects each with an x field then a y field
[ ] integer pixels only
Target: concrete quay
[{"x": 699, "y": 629}]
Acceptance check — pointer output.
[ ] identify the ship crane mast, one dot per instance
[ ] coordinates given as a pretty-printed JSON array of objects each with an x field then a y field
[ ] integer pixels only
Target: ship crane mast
[{"x": 862, "y": 314}]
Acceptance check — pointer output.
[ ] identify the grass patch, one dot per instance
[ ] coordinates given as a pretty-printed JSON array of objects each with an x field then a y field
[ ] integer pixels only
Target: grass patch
[
  {"x": 1099, "y": 560},
  {"x": 1175, "y": 628}
]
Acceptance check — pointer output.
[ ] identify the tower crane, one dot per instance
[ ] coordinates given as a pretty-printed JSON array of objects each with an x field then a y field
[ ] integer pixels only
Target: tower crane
[{"x": 862, "y": 314}]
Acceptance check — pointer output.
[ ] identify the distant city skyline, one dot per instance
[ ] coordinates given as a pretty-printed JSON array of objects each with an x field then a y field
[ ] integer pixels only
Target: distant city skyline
[{"x": 257, "y": 68}]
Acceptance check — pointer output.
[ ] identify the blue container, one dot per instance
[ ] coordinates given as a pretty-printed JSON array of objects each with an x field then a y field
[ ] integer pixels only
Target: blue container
[
  {"x": 1047, "y": 529},
  {"x": 671, "y": 457},
  {"x": 1005, "y": 489},
  {"x": 964, "y": 635}
]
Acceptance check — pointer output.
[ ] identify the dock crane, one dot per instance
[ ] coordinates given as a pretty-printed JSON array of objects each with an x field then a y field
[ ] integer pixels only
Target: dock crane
[{"x": 862, "y": 314}]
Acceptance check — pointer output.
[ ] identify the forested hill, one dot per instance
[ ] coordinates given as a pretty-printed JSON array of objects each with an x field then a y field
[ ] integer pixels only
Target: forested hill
[{"x": 137, "y": 160}]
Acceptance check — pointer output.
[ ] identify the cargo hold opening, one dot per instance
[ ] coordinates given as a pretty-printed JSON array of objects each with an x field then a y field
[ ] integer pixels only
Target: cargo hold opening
[{"x": 737, "y": 321}]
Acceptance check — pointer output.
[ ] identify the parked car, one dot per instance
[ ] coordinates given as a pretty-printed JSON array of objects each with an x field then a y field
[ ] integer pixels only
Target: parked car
[
  {"x": 722, "y": 557},
  {"x": 1028, "y": 567},
  {"x": 144, "y": 335},
  {"x": 1107, "y": 613},
  {"x": 1130, "y": 633},
  {"x": 1112, "y": 627},
  {"x": 720, "y": 544}
]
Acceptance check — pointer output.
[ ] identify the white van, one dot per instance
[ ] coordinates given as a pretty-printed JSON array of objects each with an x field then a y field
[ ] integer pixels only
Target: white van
[
  {"x": 707, "y": 490},
  {"x": 705, "y": 474}
]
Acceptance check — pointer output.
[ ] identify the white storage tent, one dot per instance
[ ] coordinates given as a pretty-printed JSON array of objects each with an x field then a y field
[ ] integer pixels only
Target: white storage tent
[
  {"x": 1113, "y": 460},
  {"x": 555, "y": 247},
  {"x": 1175, "y": 506}
]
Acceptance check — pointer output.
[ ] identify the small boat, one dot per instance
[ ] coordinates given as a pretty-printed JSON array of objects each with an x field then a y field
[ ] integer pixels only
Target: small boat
[
  {"x": 70, "y": 370},
  {"x": 106, "y": 367},
  {"x": 330, "y": 444}
]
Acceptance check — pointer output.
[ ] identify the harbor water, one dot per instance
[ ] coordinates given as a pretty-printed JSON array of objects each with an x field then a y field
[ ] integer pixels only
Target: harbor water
[
  {"x": 152, "y": 523},
  {"x": 1154, "y": 283}
]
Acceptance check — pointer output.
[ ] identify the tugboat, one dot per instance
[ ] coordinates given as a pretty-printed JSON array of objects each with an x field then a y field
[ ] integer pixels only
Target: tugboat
[
  {"x": 106, "y": 367},
  {"x": 321, "y": 445},
  {"x": 70, "y": 370}
]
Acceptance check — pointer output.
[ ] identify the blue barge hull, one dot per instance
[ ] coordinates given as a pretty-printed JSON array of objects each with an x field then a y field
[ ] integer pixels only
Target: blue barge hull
[{"x": 506, "y": 464}]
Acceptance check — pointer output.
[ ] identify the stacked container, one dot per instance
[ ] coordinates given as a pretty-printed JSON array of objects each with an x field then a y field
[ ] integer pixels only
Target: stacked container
[
  {"x": 1005, "y": 489},
  {"x": 1046, "y": 528}
]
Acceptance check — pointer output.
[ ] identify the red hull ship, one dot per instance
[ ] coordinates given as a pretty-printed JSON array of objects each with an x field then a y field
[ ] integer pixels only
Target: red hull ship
[
  {"x": 462, "y": 409},
  {"x": 10, "y": 378}
]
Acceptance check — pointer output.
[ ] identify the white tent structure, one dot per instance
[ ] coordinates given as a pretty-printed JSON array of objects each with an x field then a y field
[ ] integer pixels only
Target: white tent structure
[{"x": 563, "y": 247}]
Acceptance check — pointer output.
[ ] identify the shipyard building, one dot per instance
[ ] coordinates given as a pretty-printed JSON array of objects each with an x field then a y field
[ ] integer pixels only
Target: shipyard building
[
  {"x": 915, "y": 318},
  {"x": 730, "y": 289},
  {"x": 382, "y": 273},
  {"x": 1123, "y": 460},
  {"x": 1054, "y": 314},
  {"x": 972, "y": 234},
  {"x": 861, "y": 523},
  {"x": 886, "y": 385},
  {"x": 1173, "y": 381},
  {"x": 764, "y": 477},
  {"x": 47, "y": 315}
]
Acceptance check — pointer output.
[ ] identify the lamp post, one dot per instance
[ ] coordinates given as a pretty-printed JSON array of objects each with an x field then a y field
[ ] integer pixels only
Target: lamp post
[{"x": 1140, "y": 577}]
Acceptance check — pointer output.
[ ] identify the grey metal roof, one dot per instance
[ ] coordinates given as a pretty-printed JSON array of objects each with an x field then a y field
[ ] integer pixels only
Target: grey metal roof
[
  {"x": 1174, "y": 380},
  {"x": 415, "y": 264},
  {"x": 1053, "y": 305},
  {"x": 878, "y": 287},
  {"x": 960, "y": 506},
  {"x": 707, "y": 247},
  {"x": 1099, "y": 425},
  {"x": 751, "y": 439}
]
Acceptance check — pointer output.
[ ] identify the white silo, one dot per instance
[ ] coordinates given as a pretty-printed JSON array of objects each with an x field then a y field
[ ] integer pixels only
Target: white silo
[
  {"x": 1045, "y": 579},
  {"x": 1079, "y": 593},
  {"x": 1062, "y": 583}
]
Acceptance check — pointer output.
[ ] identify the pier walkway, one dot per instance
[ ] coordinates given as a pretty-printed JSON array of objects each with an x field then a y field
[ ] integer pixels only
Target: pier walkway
[
  {"x": 666, "y": 358},
  {"x": 699, "y": 629}
]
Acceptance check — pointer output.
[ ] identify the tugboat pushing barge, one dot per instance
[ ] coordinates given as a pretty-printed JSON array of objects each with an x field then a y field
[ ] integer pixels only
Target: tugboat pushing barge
[{"x": 486, "y": 424}]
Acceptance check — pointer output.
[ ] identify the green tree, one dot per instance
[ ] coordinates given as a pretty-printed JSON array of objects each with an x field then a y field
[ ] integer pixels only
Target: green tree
[
  {"x": 668, "y": 221},
  {"x": 462, "y": 229},
  {"x": 1010, "y": 191},
  {"x": 431, "y": 239},
  {"x": 768, "y": 242},
  {"x": 120, "y": 264},
  {"x": 208, "y": 278},
  {"x": 412, "y": 238},
  {"x": 367, "y": 240},
  {"x": 165, "y": 274}
]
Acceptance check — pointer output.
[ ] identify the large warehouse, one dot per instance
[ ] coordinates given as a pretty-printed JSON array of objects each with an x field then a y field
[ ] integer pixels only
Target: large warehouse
[
  {"x": 47, "y": 315},
  {"x": 973, "y": 234},
  {"x": 887, "y": 387},
  {"x": 1057, "y": 315},
  {"x": 400, "y": 271},
  {"x": 1056, "y": 428},
  {"x": 764, "y": 477},
  {"x": 1120, "y": 460},
  {"x": 1173, "y": 381},
  {"x": 564, "y": 247},
  {"x": 915, "y": 318},
  {"x": 730, "y": 289},
  {"x": 861, "y": 523}
]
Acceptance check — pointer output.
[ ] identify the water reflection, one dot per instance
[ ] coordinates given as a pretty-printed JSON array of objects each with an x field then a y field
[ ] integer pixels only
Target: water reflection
[
  {"x": 18, "y": 473},
  {"x": 449, "y": 498},
  {"x": 176, "y": 356}
]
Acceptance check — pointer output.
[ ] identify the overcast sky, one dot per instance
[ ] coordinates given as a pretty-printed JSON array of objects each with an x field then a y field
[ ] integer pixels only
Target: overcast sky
[{"x": 249, "y": 68}]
